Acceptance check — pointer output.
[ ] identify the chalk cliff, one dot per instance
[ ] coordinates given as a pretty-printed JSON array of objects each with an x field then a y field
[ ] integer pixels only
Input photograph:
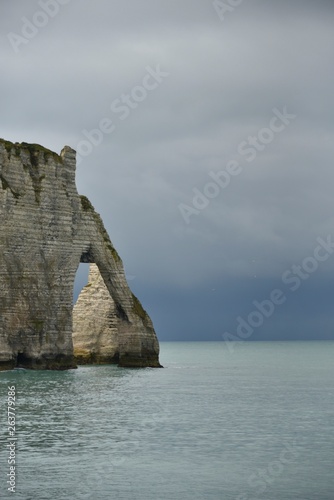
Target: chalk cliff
[
  {"x": 95, "y": 322},
  {"x": 46, "y": 230}
]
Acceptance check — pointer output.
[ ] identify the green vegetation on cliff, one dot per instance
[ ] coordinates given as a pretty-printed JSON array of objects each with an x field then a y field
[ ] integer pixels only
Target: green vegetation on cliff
[
  {"x": 34, "y": 150},
  {"x": 86, "y": 204},
  {"x": 138, "y": 308}
]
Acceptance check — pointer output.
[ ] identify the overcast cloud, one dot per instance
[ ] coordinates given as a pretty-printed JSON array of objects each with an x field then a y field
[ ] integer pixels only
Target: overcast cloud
[{"x": 222, "y": 82}]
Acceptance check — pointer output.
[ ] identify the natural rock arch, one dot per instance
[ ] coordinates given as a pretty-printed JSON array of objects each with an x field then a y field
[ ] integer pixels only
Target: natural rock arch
[{"x": 46, "y": 230}]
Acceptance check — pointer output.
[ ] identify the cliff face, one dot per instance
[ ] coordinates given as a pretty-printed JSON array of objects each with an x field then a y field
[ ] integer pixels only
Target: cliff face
[{"x": 46, "y": 230}]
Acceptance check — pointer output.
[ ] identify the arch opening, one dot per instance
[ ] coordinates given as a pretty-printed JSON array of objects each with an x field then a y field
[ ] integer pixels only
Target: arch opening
[{"x": 81, "y": 280}]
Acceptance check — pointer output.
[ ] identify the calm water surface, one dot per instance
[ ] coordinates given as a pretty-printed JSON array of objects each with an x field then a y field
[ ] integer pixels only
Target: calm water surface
[{"x": 255, "y": 424}]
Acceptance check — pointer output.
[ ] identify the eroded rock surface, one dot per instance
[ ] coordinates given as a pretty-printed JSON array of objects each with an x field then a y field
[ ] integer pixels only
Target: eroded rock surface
[
  {"x": 46, "y": 230},
  {"x": 95, "y": 322}
]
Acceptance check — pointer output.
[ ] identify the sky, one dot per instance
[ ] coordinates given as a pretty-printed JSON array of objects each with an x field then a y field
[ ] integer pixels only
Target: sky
[{"x": 204, "y": 133}]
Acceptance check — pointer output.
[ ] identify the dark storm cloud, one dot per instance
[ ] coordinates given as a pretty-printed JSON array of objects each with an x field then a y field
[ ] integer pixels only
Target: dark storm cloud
[{"x": 224, "y": 80}]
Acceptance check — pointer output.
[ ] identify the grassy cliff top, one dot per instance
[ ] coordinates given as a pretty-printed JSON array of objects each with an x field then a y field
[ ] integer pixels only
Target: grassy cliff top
[{"x": 33, "y": 149}]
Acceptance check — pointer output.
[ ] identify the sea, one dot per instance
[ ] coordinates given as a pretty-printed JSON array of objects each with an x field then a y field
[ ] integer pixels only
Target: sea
[{"x": 241, "y": 421}]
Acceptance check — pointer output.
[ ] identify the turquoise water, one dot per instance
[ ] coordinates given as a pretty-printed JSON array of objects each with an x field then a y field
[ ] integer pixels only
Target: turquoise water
[{"x": 255, "y": 423}]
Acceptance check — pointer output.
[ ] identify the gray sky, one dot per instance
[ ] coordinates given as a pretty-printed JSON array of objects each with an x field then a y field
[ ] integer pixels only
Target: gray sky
[{"x": 207, "y": 122}]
